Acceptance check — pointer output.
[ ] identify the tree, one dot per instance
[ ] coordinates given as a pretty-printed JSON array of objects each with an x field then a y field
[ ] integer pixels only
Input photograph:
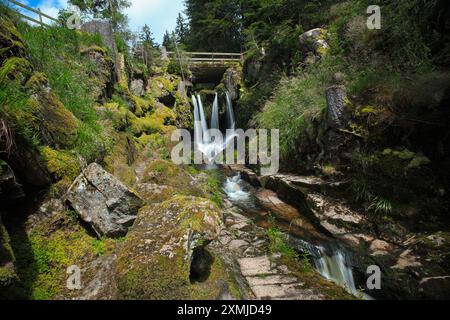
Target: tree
[
  {"x": 181, "y": 29},
  {"x": 214, "y": 25},
  {"x": 105, "y": 9},
  {"x": 146, "y": 36},
  {"x": 169, "y": 41}
]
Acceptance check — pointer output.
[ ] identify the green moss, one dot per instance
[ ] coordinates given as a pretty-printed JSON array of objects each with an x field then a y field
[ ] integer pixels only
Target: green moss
[
  {"x": 36, "y": 82},
  {"x": 46, "y": 251},
  {"x": 57, "y": 124},
  {"x": 13, "y": 67},
  {"x": 161, "y": 85},
  {"x": 157, "y": 122},
  {"x": 61, "y": 164}
]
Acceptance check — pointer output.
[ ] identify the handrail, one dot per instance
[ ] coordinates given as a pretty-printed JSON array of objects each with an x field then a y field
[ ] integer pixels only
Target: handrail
[
  {"x": 37, "y": 11},
  {"x": 209, "y": 54}
]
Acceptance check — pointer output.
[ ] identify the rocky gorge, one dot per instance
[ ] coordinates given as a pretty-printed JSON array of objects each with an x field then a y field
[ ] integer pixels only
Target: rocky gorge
[{"x": 87, "y": 180}]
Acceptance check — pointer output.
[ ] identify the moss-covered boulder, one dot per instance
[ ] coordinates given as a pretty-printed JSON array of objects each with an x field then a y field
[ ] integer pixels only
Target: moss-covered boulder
[
  {"x": 57, "y": 125},
  {"x": 104, "y": 71},
  {"x": 166, "y": 173},
  {"x": 155, "y": 260},
  {"x": 163, "y": 88}
]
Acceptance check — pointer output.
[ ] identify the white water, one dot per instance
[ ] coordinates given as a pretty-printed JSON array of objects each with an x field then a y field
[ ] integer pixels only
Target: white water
[
  {"x": 234, "y": 190},
  {"x": 204, "y": 142},
  {"x": 215, "y": 113},
  {"x": 333, "y": 267}
]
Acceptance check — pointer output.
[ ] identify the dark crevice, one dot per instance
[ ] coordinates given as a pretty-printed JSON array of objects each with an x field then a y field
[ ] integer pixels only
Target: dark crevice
[{"x": 201, "y": 264}]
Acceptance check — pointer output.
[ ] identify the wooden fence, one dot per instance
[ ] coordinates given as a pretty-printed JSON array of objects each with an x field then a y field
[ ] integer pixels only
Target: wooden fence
[{"x": 37, "y": 11}]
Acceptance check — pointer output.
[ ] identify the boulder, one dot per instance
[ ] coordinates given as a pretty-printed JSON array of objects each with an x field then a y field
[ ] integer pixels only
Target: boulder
[
  {"x": 155, "y": 260},
  {"x": 104, "y": 29},
  {"x": 314, "y": 40},
  {"x": 103, "y": 201},
  {"x": 337, "y": 111},
  {"x": 137, "y": 87},
  {"x": 103, "y": 86}
]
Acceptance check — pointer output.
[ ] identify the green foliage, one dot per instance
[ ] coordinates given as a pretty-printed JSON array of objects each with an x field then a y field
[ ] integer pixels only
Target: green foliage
[
  {"x": 278, "y": 241},
  {"x": 11, "y": 66},
  {"x": 278, "y": 245},
  {"x": 214, "y": 25},
  {"x": 57, "y": 53},
  {"x": 295, "y": 105}
]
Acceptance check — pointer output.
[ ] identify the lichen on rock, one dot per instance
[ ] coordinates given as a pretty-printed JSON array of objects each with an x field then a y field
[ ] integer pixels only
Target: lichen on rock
[
  {"x": 104, "y": 202},
  {"x": 155, "y": 259}
]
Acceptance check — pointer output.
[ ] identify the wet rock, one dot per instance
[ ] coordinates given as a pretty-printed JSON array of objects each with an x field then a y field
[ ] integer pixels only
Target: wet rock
[
  {"x": 155, "y": 260},
  {"x": 231, "y": 80},
  {"x": 103, "y": 201},
  {"x": 270, "y": 201}
]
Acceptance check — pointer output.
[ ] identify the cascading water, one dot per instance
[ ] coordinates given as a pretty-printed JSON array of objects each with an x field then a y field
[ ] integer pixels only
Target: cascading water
[
  {"x": 212, "y": 148},
  {"x": 215, "y": 113},
  {"x": 230, "y": 112},
  {"x": 332, "y": 264}
]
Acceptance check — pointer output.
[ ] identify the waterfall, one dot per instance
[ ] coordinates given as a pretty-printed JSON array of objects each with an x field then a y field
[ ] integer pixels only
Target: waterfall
[
  {"x": 205, "y": 135},
  {"x": 335, "y": 268},
  {"x": 202, "y": 137},
  {"x": 215, "y": 114},
  {"x": 198, "y": 132},
  {"x": 230, "y": 113}
]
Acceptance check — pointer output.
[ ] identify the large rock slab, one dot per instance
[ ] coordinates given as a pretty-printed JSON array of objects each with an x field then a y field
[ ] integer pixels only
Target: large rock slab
[
  {"x": 155, "y": 260},
  {"x": 104, "y": 202},
  {"x": 104, "y": 29}
]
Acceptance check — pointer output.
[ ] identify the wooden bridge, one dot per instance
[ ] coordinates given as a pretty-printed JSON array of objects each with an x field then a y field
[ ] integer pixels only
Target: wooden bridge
[{"x": 206, "y": 57}]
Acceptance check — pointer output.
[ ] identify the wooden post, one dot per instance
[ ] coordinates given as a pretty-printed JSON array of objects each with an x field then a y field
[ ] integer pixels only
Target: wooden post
[{"x": 40, "y": 16}]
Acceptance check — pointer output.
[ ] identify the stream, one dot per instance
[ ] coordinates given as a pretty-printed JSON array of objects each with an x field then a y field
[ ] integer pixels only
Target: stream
[{"x": 328, "y": 259}]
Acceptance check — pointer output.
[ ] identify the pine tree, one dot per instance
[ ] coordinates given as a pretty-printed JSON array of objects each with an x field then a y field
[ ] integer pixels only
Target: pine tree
[
  {"x": 214, "y": 25},
  {"x": 181, "y": 29},
  {"x": 168, "y": 41},
  {"x": 146, "y": 36}
]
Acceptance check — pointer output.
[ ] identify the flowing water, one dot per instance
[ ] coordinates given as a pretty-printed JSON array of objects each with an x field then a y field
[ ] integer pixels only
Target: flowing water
[
  {"x": 204, "y": 141},
  {"x": 329, "y": 259}
]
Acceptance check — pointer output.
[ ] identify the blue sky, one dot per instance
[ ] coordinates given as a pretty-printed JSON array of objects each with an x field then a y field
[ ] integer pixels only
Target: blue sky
[{"x": 160, "y": 15}]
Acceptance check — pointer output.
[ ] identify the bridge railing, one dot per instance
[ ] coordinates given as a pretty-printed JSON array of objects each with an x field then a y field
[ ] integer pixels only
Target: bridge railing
[
  {"x": 40, "y": 14},
  {"x": 210, "y": 57}
]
